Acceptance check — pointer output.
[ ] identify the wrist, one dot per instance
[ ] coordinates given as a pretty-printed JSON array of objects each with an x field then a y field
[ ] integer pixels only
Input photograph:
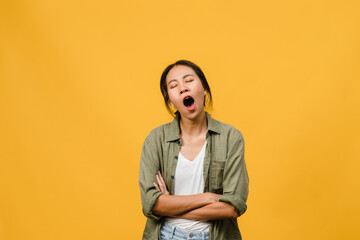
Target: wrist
[{"x": 208, "y": 198}]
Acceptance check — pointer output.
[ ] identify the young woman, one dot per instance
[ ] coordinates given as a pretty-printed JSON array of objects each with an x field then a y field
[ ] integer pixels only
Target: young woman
[{"x": 193, "y": 178}]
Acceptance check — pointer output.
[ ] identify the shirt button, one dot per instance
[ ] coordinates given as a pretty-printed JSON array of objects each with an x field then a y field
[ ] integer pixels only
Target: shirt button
[
  {"x": 172, "y": 177},
  {"x": 190, "y": 235},
  {"x": 176, "y": 157}
]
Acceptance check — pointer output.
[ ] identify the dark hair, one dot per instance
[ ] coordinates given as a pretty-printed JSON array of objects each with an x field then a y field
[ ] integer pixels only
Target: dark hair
[{"x": 199, "y": 73}]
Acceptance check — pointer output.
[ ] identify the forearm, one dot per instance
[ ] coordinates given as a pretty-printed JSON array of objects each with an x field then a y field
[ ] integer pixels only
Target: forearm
[
  {"x": 213, "y": 211},
  {"x": 170, "y": 205}
]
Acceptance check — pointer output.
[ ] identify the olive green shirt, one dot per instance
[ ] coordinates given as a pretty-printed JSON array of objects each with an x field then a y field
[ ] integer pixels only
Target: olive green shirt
[{"x": 224, "y": 173}]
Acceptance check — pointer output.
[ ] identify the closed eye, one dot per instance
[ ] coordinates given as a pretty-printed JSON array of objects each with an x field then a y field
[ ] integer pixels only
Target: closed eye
[{"x": 173, "y": 86}]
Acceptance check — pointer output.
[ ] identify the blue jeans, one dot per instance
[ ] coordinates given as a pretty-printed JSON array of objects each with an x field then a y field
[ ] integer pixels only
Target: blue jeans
[{"x": 171, "y": 232}]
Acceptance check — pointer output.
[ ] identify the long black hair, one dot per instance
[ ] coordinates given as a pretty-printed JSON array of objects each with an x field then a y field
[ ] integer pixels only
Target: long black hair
[{"x": 199, "y": 73}]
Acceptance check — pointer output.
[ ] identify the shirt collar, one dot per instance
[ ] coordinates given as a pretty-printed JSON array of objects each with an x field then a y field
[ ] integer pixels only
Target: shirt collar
[{"x": 174, "y": 128}]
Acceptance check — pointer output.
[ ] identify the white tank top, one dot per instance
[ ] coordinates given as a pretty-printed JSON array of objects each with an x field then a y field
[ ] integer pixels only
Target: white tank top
[{"x": 189, "y": 180}]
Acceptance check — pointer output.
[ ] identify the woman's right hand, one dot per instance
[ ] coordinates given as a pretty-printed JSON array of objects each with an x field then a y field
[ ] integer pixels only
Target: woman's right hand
[{"x": 162, "y": 185}]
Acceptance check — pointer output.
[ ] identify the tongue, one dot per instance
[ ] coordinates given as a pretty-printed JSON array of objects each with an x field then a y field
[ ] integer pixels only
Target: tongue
[{"x": 191, "y": 107}]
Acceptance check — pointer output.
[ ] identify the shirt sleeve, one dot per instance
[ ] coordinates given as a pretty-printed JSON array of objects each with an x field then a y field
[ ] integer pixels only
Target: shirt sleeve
[
  {"x": 149, "y": 167},
  {"x": 236, "y": 180}
]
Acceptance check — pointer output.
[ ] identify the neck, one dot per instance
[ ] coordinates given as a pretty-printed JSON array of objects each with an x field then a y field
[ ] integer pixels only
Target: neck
[{"x": 195, "y": 126}]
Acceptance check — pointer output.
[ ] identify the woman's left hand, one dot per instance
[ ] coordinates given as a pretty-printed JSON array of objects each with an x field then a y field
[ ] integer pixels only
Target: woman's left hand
[{"x": 162, "y": 185}]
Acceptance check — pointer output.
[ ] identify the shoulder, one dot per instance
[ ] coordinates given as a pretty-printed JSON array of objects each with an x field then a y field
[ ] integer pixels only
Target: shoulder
[
  {"x": 158, "y": 133},
  {"x": 227, "y": 130}
]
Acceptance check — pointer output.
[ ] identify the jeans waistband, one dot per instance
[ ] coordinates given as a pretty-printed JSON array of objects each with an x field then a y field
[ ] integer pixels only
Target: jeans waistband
[{"x": 171, "y": 231}]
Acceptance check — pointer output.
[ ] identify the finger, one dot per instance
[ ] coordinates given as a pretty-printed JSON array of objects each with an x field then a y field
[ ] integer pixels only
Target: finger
[
  {"x": 161, "y": 178},
  {"x": 161, "y": 184},
  {"x": 156, "y": 186},
  {"x": 164, "y": 184}
]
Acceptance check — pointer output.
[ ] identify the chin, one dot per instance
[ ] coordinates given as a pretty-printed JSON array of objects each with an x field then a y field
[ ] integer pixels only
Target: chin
[{"x": 193, "y": 114}]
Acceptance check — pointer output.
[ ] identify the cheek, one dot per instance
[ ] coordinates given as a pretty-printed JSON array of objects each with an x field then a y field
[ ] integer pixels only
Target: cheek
[
  {"x": 200, "y": 87},
  {"x": 172, "y": 98},
  {"x": 200, "y": 92},
  {"x": 170, "y": 94}
]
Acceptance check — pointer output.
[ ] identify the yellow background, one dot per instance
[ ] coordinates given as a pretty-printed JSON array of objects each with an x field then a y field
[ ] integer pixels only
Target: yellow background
[{"x": 79, "y": 92}]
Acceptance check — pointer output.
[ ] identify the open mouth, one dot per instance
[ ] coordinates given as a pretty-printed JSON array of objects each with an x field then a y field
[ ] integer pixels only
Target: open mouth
[{"x": 189, "y": 103}]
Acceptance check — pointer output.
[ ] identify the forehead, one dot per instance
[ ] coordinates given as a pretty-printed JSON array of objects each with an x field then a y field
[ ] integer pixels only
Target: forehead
[{"x": 178, "y": 72}]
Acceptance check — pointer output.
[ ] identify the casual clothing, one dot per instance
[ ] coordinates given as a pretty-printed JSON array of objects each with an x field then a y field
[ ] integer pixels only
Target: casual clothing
[
  {"x": 224, "y": 172},
  {"x": 171, "y": 232},
  {"x": 189, "y": 180}
]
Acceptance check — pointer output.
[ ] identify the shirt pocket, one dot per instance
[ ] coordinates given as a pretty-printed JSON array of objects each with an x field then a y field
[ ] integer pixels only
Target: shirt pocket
[{"x": 216, "y": 176}]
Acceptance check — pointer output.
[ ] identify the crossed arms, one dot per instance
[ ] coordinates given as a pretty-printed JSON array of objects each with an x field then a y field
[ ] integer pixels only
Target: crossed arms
[
  {"x": 157, "y": 202},
  {"x": 202, "y": 206}
]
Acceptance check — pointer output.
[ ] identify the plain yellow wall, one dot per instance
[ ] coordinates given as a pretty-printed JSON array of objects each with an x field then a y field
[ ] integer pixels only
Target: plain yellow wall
[{"x": 79, "y": 92}]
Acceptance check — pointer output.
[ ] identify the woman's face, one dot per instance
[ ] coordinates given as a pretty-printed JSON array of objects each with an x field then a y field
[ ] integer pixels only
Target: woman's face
[{"x": 186, "y": 92}]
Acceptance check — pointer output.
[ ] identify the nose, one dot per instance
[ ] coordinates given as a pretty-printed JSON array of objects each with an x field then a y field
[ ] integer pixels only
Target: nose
[{"x": 183, "y": 89}]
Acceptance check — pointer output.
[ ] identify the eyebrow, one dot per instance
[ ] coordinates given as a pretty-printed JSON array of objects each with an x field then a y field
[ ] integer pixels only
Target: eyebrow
[{"x": 186, "y": 75}]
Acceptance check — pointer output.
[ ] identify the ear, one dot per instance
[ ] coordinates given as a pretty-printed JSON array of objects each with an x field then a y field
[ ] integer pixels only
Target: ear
[
  {"x": 171, "y": 104},
  {"x": 205, "y": 92}
]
